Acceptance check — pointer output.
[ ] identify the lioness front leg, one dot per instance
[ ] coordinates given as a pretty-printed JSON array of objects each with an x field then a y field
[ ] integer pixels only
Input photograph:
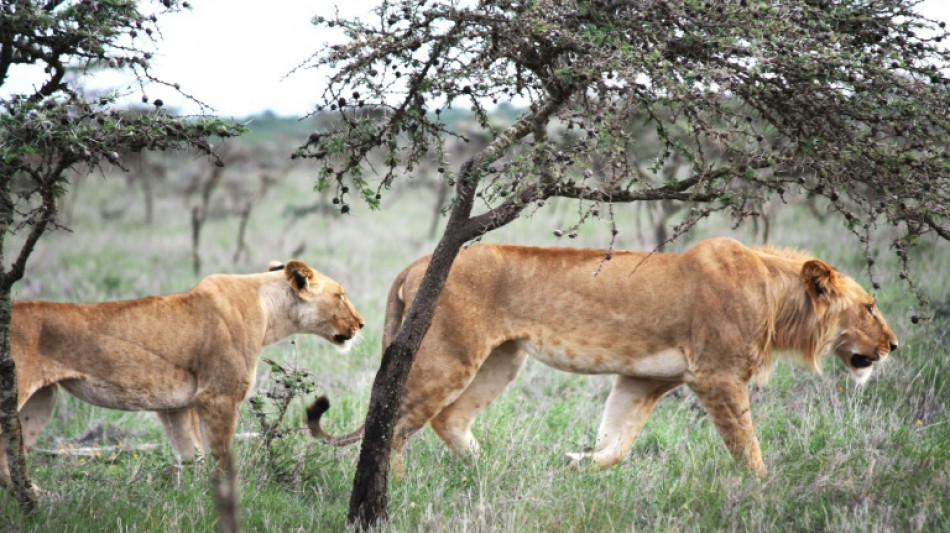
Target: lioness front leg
[
  {"x": 628, "y": 406},
  {"x": 218, "y": 416},
  {"x": 727, "y": 401}
]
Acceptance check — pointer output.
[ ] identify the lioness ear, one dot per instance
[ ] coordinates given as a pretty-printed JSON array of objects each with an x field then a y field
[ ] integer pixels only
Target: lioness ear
[
  {"x": 275, "y": 265},
  {"x": 819, "y": 277},
  {"x": 299, "y": 275}
]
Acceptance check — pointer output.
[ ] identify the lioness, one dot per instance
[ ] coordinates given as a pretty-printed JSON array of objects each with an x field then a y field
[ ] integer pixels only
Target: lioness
[
  {"x": 190, "y": 357},
  {"x": 709, "y": 317}
]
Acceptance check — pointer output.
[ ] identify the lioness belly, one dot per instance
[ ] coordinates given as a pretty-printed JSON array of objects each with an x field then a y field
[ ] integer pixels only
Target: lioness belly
[
  {"x": 670, "y": 364},
  {"x": 156, "y": 396}
]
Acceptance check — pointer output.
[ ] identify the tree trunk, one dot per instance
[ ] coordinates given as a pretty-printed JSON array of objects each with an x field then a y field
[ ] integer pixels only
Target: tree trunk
[
  {"x": 369, "y": 499},
  {"x": 9, "y": 421}
]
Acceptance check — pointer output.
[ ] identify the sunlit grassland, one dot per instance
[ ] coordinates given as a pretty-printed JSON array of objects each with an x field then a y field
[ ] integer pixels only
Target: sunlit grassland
[{"x": 841, "y": 457}]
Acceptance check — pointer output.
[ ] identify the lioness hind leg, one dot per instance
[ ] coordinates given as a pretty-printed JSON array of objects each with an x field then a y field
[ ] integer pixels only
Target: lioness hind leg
[
  {"x": 728, "y": 404},
  {"x": 34, "y": 415},
  {"x": 454, "y": 423},
  {"x": 183, "y": 430},
  {"x": 630, "y": 402},
  {"x": 36, "y": 412}
]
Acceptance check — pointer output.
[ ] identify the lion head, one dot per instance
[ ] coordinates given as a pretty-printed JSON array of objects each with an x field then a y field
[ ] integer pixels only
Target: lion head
[
  {"x": 319, "y": 305},
  {"x": 856, "y": 330}
]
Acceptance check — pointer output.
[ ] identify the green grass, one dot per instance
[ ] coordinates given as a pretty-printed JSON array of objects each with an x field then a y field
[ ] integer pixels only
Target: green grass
[{"x": 840, "y": 457}]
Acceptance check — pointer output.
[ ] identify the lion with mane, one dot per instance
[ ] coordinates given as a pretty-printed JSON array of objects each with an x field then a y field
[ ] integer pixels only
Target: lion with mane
[{"x": 709, "y": 318}]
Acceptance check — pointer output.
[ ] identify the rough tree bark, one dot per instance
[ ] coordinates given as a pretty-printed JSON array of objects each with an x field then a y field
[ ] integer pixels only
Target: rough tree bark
[
  {"x": 369, "y": 499},
  {"x": 9, "y": 421}
]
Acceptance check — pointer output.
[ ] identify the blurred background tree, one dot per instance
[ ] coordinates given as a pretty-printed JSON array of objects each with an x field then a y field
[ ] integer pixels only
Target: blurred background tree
[
  {"x": 750, "y": 100},
  {"x": 56, "y": 132}
]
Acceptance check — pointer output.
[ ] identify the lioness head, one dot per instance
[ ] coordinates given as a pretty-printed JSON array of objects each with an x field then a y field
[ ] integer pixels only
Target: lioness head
[
  {"x": 320, "y": 306},
  {"x": 863, "y": 337}
]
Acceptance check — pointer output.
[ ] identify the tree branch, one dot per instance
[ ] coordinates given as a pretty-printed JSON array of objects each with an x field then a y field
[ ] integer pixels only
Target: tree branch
[{"x": 48, "y": 211}]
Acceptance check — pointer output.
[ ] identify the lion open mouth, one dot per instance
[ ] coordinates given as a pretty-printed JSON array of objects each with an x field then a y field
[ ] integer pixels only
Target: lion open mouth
[{"x": 860, "y": 361}]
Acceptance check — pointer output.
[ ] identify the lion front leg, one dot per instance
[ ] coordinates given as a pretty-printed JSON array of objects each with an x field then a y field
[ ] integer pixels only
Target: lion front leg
[
  {"x": 727, "y": 401},
  {"x": 630, "y": 402}
]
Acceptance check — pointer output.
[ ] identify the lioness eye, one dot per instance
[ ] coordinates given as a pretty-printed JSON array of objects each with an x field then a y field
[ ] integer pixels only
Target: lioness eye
[{"x": 870, "y": 308}]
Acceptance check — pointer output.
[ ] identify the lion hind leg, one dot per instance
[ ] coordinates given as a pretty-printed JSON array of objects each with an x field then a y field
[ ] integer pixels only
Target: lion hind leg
[
  {"x": 435, "y": 382},
  {"x": 454, "y": 423},
  {"x": 630, "y": 402},
  {"x": 728, "y": 404},
  {"x": 183, "y": 429}
]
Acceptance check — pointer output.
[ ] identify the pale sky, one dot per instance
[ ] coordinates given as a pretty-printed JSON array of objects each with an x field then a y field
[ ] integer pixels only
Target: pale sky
[{"x": 234, "y": 54}]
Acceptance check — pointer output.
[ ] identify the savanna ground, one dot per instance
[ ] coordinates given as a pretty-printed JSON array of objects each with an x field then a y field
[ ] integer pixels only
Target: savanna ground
[{"x": 841, "y": 457}]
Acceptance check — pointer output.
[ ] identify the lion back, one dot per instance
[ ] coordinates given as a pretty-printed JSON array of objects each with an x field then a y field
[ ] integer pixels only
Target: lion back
[{"x": 396, "y": 304}]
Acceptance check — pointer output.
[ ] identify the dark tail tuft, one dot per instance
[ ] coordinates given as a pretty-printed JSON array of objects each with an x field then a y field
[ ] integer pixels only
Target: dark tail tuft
[
  {"x": 315, "y": 412},
  {"x": 317, "y": 408}
]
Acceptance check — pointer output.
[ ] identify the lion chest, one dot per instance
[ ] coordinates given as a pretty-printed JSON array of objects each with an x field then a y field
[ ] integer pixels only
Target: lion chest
[{"x": 666, "y": 364}]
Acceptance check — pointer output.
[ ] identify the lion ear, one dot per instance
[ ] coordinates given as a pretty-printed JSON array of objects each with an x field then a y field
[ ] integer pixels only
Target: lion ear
[
  {"x": 299, "y": 275},
  {"x": 274, "y": 266},
  {"x": 820, "y": 278}
]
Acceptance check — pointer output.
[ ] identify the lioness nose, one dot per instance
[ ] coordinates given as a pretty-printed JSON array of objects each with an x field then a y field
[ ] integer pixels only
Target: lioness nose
[{"x": 893, "y": 346}]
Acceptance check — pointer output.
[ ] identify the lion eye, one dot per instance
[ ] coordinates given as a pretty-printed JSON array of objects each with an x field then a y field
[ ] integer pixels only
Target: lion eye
[{"x": 870, "y": 308}]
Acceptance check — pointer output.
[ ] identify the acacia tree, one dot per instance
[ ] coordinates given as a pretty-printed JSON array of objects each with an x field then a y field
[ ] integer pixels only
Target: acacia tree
[
  {"x": 54, "y": 131},
  {"x": 842, "y": 99}
]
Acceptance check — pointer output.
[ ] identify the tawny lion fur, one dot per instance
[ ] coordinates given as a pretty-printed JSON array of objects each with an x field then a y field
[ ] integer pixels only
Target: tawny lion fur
[
  {"x": 190, "y": 357},
  {"x": 710, "y": 318}
]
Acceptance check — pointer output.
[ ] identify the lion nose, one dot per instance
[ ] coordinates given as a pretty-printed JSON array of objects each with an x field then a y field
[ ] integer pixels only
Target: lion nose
[
  {"x": 893, "y": 346},
  {"x": 362, "y": 324}
]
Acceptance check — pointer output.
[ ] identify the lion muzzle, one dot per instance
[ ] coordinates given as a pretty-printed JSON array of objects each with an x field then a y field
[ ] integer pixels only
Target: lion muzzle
[{"x": 860, "y": 361}]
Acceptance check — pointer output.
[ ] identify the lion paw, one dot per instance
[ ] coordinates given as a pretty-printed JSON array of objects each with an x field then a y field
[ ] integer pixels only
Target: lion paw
[{"x": 576, "y": 461}]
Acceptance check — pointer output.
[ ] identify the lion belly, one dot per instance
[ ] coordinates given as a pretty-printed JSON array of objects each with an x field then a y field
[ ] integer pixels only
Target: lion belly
[
  {"x": 156, "y": 396},
  {"x": 669, "y": 364}
]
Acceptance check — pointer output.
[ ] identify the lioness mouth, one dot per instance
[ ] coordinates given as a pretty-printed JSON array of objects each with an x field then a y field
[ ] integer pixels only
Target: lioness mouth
[{"x": 861, "y": 361}]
